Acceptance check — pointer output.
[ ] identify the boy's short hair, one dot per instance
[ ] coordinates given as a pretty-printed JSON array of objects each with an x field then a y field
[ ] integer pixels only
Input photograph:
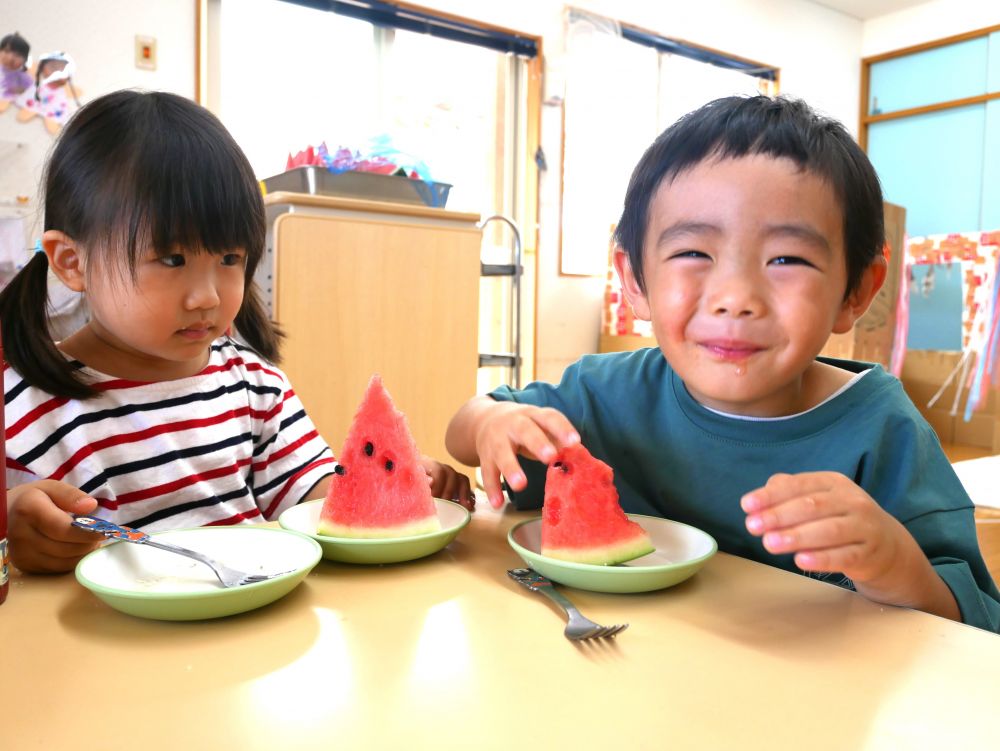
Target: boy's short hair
[
  {"x": 16, "y": 44},
  {"x": 738, "y": 126}
]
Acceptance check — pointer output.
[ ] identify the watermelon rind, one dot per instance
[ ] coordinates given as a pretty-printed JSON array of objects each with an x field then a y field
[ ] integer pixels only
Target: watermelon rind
[{"x": 605, "y": 555}]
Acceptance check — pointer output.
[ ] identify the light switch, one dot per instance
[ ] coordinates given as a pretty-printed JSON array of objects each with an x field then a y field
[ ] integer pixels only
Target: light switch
[{"x": 145, "y": 52}]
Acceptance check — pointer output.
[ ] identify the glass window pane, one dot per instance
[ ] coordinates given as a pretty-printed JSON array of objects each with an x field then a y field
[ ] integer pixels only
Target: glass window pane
[
  {"x": 440, "y": 104},
  {"x": 932, "y": 165},
  {"x": 292, "y": 76},
  {"x": 686, "y": 84},
  {"x": 954, "y": 71}
]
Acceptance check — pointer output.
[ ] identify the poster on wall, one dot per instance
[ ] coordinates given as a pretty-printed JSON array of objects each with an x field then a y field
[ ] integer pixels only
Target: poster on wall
[
  {"x": 44, "y": 89},
  {"x": 935, "y": 306}
]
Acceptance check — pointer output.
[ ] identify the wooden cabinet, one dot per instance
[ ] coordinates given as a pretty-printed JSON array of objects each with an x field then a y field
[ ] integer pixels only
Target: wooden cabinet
[{"x": 363, "y": 287}]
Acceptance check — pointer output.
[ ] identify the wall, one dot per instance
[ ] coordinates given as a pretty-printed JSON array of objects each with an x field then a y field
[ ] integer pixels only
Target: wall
[
  {"x": 927, "y": 22},
  {"x": 100, "y": 37}
]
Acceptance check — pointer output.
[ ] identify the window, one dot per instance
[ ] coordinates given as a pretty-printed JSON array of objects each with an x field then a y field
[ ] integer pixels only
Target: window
[
  {"x": 609, "y": 122},
  {"x": 931, "y": 126},
  {"x": 452, "y": 93}
]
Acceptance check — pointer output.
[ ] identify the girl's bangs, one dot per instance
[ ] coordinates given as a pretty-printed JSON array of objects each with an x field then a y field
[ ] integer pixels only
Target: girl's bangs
[{"x": 199, "y": 199}]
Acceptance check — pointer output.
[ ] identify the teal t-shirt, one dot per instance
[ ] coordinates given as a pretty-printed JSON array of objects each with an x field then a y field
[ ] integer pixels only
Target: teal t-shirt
[{"x": 676, "y": 459}]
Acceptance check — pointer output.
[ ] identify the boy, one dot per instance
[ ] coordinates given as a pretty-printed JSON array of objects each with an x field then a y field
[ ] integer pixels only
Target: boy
[{"x": 752, "y": 229}]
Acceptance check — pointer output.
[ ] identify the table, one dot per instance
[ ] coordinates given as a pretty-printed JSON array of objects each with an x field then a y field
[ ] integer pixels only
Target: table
[{"x": 448, "y": 653}]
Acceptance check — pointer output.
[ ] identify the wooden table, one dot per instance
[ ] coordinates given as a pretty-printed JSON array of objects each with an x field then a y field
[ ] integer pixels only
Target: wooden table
[{"x": 448, "y": 653}]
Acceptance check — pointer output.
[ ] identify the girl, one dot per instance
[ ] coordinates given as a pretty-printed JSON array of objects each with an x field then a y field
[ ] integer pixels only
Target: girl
[
  {"x": 14, "y": 76},
  {"x": 152, "y": 413}
]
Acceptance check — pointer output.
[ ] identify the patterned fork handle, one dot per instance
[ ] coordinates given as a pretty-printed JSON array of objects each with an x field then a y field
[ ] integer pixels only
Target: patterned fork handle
[{"x": 578, "y": 627}]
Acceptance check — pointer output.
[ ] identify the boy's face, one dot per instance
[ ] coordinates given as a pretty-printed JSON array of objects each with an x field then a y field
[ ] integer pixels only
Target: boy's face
[{"x": 745, "y": 272}]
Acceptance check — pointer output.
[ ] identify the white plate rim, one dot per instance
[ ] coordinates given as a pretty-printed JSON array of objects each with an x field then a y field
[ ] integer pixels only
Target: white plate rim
[
  {"x": 223, "y": 592},
  {"x": 622, "y": 570}
]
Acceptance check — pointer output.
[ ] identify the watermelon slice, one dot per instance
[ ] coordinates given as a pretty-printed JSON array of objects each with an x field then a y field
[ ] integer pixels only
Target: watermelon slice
[
  {"x": 381, "y": 489},
  {"x": 582, "y": 520}
]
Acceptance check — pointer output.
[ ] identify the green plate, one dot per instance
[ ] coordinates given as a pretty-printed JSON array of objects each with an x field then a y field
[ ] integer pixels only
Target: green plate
[
  {"x": 680, "y": 551},
  {"x": 305, "y": 517},
  {"x": 152, "y": 583}
]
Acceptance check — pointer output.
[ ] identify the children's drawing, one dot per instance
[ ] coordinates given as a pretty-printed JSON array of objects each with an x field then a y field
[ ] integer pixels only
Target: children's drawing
[
  {"x": 54, "y": 96},
  {"x": 15, "y": 79}
]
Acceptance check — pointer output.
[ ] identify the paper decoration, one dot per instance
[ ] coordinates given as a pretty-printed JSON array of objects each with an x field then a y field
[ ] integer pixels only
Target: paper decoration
[{"x": 977, "y": 255}]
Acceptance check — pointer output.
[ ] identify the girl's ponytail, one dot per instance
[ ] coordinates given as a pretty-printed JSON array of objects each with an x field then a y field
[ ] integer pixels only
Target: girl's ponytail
[
  {"x": 27, "y": 344},
  {"x": 256, "y": 328}
]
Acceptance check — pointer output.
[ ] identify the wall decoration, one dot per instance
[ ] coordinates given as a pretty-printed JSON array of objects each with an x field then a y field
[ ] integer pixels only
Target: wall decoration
[
  {"x": 975, "y": 256},
  {"x": 935, "y": 306},
  {"x": 14, "y": 61},
  {"x": 54, "y": 96}
]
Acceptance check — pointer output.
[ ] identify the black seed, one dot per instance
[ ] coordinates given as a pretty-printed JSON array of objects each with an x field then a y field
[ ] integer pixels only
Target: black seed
[
  {"x": 557, "y": 464},
  {"x": 369, "y": 449},
  {"x": 339, "y": 469},
  {"x": 388, "y": 465}
]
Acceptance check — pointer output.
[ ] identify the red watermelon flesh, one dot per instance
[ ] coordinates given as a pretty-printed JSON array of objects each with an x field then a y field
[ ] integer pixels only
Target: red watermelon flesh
[
  {"x": 582, "y": 520},
  {"x": 383, "y": 491}
]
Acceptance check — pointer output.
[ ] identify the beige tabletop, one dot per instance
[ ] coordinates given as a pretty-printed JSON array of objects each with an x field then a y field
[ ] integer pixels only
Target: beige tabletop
[{"x": 448, "y": 653}]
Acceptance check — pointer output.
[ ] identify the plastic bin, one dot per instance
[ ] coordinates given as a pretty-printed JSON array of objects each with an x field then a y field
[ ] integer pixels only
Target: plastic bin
[{"x": 367, "y": 185}]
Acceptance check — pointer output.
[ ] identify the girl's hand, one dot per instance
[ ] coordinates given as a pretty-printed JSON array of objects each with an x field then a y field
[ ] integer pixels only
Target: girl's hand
[
  {"x": 508, "y": 429},
  {"x": 42, "y": 540},
  {"x": 831, "y": 524},
  {"x": 448, "y": 484}
]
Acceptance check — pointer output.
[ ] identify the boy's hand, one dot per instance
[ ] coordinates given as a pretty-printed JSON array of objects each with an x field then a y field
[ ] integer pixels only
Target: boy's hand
[
  {"x": 448, "y": 484},
  {"x": 42, "y": 540},
  {"x": 509, "y": 429},
  {"x": 831, "y": 524}
]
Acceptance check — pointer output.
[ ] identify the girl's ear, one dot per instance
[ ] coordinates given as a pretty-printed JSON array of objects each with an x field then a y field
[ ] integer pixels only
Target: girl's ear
[
  {"x": 65, "y": 259},
  {"x": 635, "y": 296}
]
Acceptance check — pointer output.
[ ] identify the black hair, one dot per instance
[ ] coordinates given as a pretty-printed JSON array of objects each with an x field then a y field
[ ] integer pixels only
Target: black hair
[
  {"x": 17, "y": 44},
  {"x": 133, "y": 170},
  {"x": 739, "y": 126}
]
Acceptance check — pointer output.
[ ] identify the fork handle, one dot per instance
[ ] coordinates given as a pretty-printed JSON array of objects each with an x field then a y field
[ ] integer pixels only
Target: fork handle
[
  {"x": 130, "y": 534},
  {"x": 534, "y": 581}
]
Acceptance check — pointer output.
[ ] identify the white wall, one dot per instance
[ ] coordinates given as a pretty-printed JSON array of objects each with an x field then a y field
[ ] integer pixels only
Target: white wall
[
  {"x": 100, "y": 37},
  {"x": 927, "y": 22}
]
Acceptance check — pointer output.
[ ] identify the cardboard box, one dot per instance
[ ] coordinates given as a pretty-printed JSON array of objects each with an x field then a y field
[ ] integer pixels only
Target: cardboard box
[{"x": 923, "y": 374}]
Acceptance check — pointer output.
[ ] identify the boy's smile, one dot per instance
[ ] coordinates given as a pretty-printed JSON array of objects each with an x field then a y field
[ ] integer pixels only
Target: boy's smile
[{"x": 745, "y": 273}]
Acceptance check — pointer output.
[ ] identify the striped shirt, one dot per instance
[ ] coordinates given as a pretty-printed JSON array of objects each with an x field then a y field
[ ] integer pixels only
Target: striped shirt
[{"x": 231, "y": 444}]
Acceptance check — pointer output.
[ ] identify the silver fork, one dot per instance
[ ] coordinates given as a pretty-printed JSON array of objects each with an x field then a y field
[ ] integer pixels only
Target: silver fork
[
  {"x": 229, "y": 577},
  {"x": 578, "y": 628}
]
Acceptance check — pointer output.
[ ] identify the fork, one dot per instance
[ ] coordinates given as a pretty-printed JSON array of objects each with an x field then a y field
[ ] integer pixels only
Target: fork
[
  {"x": 229, "y": 577},
  {"x": 578, "y": 628}
]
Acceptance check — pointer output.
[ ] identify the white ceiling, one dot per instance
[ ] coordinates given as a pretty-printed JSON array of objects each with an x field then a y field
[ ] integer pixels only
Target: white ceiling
[{"x": 865, "y": 9}]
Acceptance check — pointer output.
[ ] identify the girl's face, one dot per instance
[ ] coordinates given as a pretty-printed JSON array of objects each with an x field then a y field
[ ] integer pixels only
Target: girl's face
[
  {"x": 163, "y": 324},
  {"x": 49, "y": 67},
  {"x": 11, "y": 60}
]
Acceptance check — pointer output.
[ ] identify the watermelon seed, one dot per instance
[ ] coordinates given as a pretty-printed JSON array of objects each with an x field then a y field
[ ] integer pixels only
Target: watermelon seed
[
  {"x": 369, "y": 449},
  {"x": 339, "y": 469},
  {"x": 388, "y": 465}
]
